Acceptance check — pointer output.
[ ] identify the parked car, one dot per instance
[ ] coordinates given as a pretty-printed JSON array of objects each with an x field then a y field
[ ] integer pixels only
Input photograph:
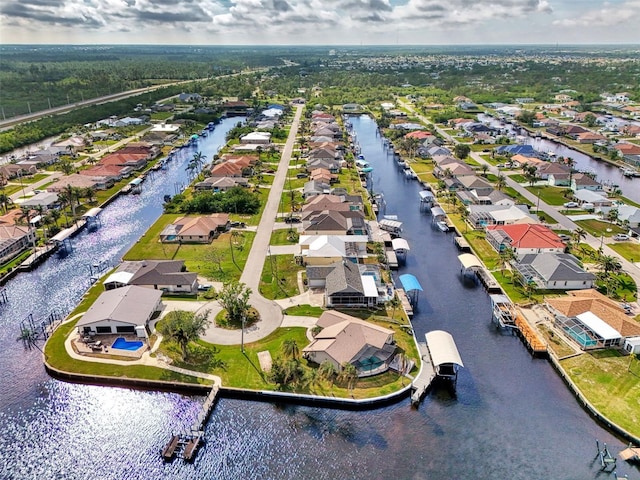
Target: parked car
[
  {"x": 571, "y": 205},
  {"x": 621, "y": 237},
  {"x": 237, "y": 224},
  {"x": 292, "y": 219},
  {"x": 564, "y": 237},
  {"x": 204, "y": 287}
]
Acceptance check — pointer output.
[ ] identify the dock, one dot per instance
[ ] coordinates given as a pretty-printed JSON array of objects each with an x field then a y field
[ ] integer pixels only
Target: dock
[
  {"x": 185, "y": 445},
  {"x": 427, "y": 373},
  {"x": 462, "y": 244},
  {"x": 529, "y": 336},
  {"x": 404, "y": 300},
  {"x": 490, "y": 283}
]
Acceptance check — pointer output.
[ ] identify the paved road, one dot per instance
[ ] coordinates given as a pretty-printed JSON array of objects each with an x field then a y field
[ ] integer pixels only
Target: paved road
[{"x": 270, "y": 312}]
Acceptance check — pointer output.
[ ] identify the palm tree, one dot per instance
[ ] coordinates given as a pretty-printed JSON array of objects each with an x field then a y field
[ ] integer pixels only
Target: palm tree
[
  {"x": 290, "y": 349},
  {"x": 327, "y": 371},
  {"x": 578, "y": 235},
  {"x": 484, "y": 168},
  {"x": 70, "y": 194},
  {"x": 89, "y": 193},
  {"x": 501, "y": 182},
  {"x": 5, "y": 201},
  {"x": 348, "y": 375},
  {"x": 394, "y": 303},
  {"x": 609, "y": 265}
]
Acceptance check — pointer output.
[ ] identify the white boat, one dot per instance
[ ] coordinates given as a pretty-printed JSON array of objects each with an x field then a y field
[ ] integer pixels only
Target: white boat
[{"x": 442, "y": 225}]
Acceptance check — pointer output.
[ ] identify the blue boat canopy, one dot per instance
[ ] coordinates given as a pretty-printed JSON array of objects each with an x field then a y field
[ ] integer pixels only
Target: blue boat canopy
[{"x": 409, "y": 282}]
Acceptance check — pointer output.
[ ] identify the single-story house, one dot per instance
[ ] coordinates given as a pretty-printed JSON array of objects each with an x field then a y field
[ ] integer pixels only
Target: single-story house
[
  {"x": 346, "y": 339},
  {"x": 200, "y": 229},
  {"x": 481, "y": 216},
  {"x": 46, "y": 200},
  {"x": 346, "y": 287},
  {"x": 256, "y": 138},
  {"x": 582, "y": 181},
  {"x": 328, "y": 249},
  {"x": 554, "y": 271},
  {"x": 221, "y": 184},
  {"x": 14, "y": 239},
  {"x": 524, "y": 239},
  {"x": 166, "y": 275},
  {"x": 123, "y": 310}
]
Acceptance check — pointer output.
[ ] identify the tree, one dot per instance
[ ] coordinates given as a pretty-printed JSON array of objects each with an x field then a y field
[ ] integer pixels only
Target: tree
[
  {"x": 578, "y": 235},
  {"x": 184, "y": 327},
  {"x": 290, "y": 349},
  {"x": 484, "y": 168},
  {"x": 590, "y": 120},
  {"x": 527, "y": 117},
  {"x": 348, "y": 375},
  {"x": 501, "y": 182},
  {"x": 234, "y": 298},
  {"x": 5, "y": 201},
  {"x": 214, "y": 255},
  {"x": 233, "y": 242},
  {"x": 612, "y": 215},
  {"x": 608, "y": 265},
  {"x": 530, "y": 174},
  {"x": 327, "y": 371},
  {"x": 462, "y": 150},
  {"x": 89, "y": 193},
  {"x": 394, "y": 303},
  {"x": 66, "y": 166}
]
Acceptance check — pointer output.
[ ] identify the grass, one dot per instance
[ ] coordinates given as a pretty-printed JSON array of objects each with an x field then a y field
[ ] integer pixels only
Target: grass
[
  {"x": 57, "y": 356},
  {"x": 284, "y": 236},
  {"x": 629, "y": 250},
  {"x": 34, "y": 178},
  {"x": 516, "y": 177},
  {"x": 611, "y": 382},
  {"x": 550, "y": 195},
  {"x": 516, "y": 196},
  {"x": 555, "y": 342},
  {"x": 304, "y": 311},
  {"x": 421, "y": 167},
  {"x": 598, "y": 227},
  {"x": 626, "y": 291},
  {"x": 195, "y": 255},
  {"x": 279, "y": 277},
  {"x": 14, "y": 262}
]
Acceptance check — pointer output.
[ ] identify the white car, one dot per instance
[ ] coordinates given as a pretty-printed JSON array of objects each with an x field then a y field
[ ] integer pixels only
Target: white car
[
  {"x": 571, "y": 205},
  {"x": 621, "y": 237}
]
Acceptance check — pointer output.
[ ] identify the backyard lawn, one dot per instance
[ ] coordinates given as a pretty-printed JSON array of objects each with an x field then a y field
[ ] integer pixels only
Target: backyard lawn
[
  {"x": 284, "y": 236},
  {"x": 598, "y": 227},
  {"x": 550, "y": 195},
  {"x": 611, "y": 382},
  {"x": 629, "y": 250},
  {"x": 198, "y": 257},
  {"x": 279, "y": 277}
]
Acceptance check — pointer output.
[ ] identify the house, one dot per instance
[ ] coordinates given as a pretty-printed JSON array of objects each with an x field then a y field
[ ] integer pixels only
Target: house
[
  {"x": 334, "y": 201},
  {"x": 11, "y": 170},
  {"x": 481, "y": 216},
  {"x": 526, "y": 150},
  {"x": 630, "y": 215},
  {"x": 315, "y": 187},
  {"x": 226, "y": 169},
  {"x": 80, "y": 181},
  {"x": 333, "y": 165},
  {"x": 256, "y": 138},
  {"x": 190, "y": 97},
  {"x": 220, "y": 184},
  {"x": 627, "y": 148},
  {"x": 596, "y": 199},
  {"x": 329, "y": 249},
  {"x": 328, "y": 222},
  {"x": 124, "y": 310},
  {"x": 165, "y": 275},
  {"x": 524, "y": 239},
  {"x": 592, "y": 319},
  {"x": 200, "y": 229},
  {"x": 14, "y": 239},
  {"x": 590, "y": 137},
  {"x": 346, "y": 339},
  {"x": 322, "y": 175},
  {"x": 136, "y": 161},
  {"x": 109, "y": 172},
  {"x": 581, "y": 181},
  {"x": 558, "y": 170},
  {"x": 346, "y": 287},
  {"x": 554, "y": 271},
  {"x": 46, "y": 200}
]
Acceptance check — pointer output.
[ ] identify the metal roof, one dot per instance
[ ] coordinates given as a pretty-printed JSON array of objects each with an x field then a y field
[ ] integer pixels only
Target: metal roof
[
  {"x": 409, "y": 282},
  {"x": 400, "y": 244},
  {"x": 598, "y": 326},
  {"x": 437, "y": 211},
  {"x": 92, "y": 212},
  {"x": 469, "y": 260},
  {"x": 426, "y": 195},
  {"x": 62, "y": 235},
  {"x": 442, "y": 348}
]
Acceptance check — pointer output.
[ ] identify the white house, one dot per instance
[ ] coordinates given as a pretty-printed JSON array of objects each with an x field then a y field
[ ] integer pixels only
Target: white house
[{"x": 123, "y": 310}]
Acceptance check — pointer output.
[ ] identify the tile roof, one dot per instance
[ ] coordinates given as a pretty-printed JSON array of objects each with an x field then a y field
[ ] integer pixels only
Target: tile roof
[{"x": 527, "y": 235}]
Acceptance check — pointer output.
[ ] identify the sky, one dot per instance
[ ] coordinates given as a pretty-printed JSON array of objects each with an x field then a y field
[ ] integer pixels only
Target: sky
[{"x": 319, "y": 22}]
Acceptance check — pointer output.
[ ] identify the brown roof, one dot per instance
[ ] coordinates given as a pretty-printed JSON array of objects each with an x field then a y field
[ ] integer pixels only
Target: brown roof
[
  {"x": 590, "y": 300},
  {"x": 202, "y": 225}
]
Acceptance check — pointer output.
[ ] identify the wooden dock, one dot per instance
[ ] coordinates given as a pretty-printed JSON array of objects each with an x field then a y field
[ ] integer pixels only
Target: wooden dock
[
  {"x": 404, "y": 300},
  {"x": 427, "y": 373},
  {"x": 462, "y": 244},
  {"x": 488, "y": 281},
  {"x": 186, "y": 445},
  {"x": 530, "y": 336}
]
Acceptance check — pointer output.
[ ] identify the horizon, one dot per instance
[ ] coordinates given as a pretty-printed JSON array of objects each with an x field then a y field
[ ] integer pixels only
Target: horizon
[{"x": 312, "y": 22}]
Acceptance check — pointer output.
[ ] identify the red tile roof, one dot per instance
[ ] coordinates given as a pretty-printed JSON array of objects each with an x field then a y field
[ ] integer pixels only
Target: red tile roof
[{"x": 530, "y": 235}]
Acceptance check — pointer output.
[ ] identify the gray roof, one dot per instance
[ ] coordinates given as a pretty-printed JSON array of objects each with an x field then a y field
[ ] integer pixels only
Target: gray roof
[
  {"x": 318, "y": 272},
  {"x": 344, "y": 278},
  {"x": 555, "y": 267},
  {"x": 157, "y": 272},
  {"x": 131, "y": 304}
]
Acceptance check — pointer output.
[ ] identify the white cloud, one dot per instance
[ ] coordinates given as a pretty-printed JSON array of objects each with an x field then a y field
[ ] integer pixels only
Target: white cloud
[{"x": 609, "y": 15}]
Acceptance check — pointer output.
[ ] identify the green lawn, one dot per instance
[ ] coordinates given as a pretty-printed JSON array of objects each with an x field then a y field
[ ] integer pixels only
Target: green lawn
[
  {"x": 611, "y": 382},
  {"x": 33, "y": 178},
  {"x": 279, "y": 277},
  {"x": 293, "y": 183},
  {"x": 550, "y": 195},
  {"x": 626, "y": 290},
  {"x": 629, "y": 250},
  {"x": 195, "y": 255},
  {"x": 284, "y": 236},
  {"x": 516, "y": 196},
  {"x": 598, "y": 227},
  {"x": 11, "y": 189},
  {"x": 421, "y": 167},
  {"x": 516, "y": 177},
  {"x": 304, "y": 310}
]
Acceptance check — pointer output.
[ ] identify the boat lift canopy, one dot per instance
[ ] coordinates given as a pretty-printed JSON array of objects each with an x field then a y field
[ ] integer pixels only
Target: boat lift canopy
[
  {"x": 400, "y": 244},
  {"x": 62, "y": 235},
  {"x": 442, "y": 348},
  {"x": 469, "y": 261},
  {"x": 409, "y": 282},
  {"x": 92, "y": 212},
  {"x": 437, "y": 212},
  {"x": 426, "y": 196}
]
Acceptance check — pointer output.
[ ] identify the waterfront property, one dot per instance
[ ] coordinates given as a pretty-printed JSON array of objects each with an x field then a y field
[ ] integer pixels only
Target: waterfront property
[
  {"x": 346, "y": 339},
  {"x": 124, "y": 310},
  {"x": 444, "y": 354},
  {"x": 166, "y": 275},
  {"x": 200, "y": 229}
]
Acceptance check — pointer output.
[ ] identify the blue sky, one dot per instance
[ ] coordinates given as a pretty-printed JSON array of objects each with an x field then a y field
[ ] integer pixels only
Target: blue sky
[{"x": 324, "y": 22}]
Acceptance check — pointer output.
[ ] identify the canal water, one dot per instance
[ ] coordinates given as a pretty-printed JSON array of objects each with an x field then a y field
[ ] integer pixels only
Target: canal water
[
  {"x": 512, "y": 416},
  {"x": 606, "y": 173}
]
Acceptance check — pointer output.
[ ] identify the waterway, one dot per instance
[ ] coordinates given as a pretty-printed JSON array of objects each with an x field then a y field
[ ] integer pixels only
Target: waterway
[
  {"x": 512, "y": 416},
  {"x": 606, "y": 173}
]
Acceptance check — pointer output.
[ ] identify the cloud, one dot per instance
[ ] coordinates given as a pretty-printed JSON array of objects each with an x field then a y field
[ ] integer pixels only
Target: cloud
[{"x": 609, "y": 15}]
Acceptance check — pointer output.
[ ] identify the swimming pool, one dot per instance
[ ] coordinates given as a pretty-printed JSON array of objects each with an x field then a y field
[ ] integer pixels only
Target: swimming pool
[{"x": 123, "y": 344}]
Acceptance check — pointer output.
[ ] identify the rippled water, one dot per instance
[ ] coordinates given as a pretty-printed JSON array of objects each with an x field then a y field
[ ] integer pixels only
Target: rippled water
[{"x": 512, "y": 417}]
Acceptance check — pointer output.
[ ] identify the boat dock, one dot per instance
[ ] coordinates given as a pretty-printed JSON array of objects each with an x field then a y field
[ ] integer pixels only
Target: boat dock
[
  {"x": 427, "y": 373},
  {"x": 490, "y": 283},
  {"x": 404, "y": 300},
  {"x": 185, "y": 445},
  {"x": 462, "y": 244},
  {"x": 529, "y": 336}
]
